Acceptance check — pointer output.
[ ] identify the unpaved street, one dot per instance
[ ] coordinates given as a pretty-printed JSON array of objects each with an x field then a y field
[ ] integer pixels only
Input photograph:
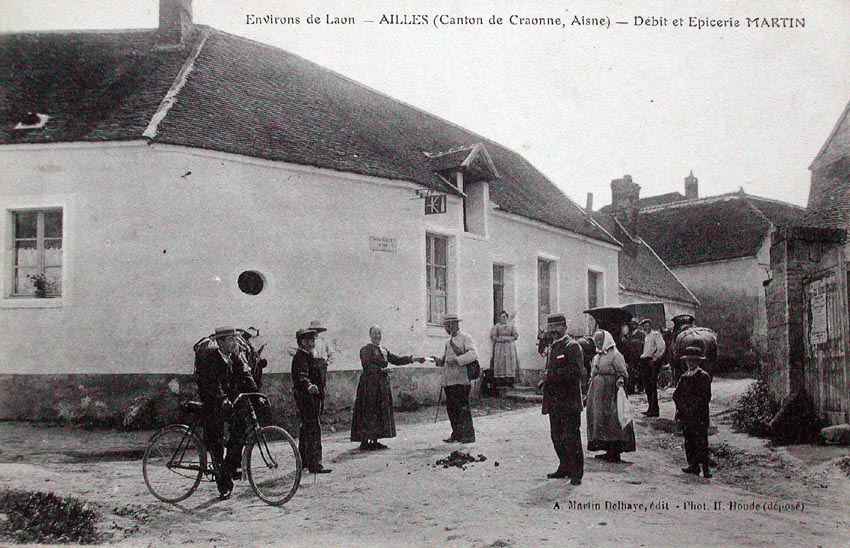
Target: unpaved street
[{"x": 779, "y": 497}]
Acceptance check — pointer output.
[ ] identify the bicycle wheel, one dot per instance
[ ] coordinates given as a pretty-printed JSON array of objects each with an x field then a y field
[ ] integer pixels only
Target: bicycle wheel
[
  {"x": 273, "y": 465},
  {"x": 173, "y": 464}
]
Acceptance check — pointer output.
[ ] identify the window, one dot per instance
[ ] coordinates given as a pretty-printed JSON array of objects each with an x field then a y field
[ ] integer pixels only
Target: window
[
  {"x": 37, "y": 265},
  {"x": 498, "y": 290},
  {"x": 544, "y": 291},
  {"x": 437, "y": 275},
  {"x": 594, "y": 287}
]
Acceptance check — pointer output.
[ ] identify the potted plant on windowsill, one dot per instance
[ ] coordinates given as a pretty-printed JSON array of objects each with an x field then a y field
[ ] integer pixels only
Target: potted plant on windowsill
[{"x": 40, "y": 283}]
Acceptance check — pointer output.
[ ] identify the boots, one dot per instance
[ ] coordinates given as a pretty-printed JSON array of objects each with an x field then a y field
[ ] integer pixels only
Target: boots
[{"x": 706, "y": 473}]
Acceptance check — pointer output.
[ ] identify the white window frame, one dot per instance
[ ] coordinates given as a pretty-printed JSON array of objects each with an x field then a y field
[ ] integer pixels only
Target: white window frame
[
  {"x": 600, "y": 286},
  {"x": 12, "y": 204},
  {"x": 554, "y": 289},
  {"x": 428, "y": 266}
]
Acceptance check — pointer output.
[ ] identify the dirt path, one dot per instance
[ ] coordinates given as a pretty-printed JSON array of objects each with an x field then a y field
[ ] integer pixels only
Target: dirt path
[{"x": 399, "y": 498}]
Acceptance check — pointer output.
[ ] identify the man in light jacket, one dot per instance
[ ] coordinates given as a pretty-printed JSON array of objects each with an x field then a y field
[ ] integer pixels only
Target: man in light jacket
[
  {"x": 459, "y": 351},
  {"x": 650, "y": 365}
]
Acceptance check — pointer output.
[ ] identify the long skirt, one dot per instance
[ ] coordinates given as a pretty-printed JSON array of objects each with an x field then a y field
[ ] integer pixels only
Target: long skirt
[
  {"x": 604, "y": 432},
  {"x": 505, "y": 360},
  {"x": 373, "y": 408}
]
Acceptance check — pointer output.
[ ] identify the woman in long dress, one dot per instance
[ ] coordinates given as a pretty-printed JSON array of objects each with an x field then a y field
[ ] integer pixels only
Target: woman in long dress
[
  {"x": 505, "y": 360},
  {"x": 607, "y": 374},
  {"x": 373, "y": 417}
]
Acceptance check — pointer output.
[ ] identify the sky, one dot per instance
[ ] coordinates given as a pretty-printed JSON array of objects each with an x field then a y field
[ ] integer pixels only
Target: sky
[{"x": 742, "y": 106}]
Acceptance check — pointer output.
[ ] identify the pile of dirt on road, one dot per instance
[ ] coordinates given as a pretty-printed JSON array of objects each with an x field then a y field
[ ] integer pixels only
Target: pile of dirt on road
[{"x": 459, "y": 459}]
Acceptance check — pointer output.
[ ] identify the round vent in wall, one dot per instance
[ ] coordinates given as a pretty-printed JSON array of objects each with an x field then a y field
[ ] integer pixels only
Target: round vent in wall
[{"x": 251, "y": 282}]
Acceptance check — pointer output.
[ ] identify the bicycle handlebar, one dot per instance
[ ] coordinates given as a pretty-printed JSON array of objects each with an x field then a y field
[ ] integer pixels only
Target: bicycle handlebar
[{"x": 258, "y": 394}]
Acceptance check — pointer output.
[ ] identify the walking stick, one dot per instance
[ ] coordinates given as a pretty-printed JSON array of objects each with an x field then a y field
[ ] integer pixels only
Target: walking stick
[{"x": 439, "y": 404}]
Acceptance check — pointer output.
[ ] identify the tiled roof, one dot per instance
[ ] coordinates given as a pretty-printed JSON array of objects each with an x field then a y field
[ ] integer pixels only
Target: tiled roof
[
  {"x": 640, "y": 269},
  {"x": 713, "y": 229},
  {"x": 93, "y": 86},
  {"x": 248, "y": 98}
]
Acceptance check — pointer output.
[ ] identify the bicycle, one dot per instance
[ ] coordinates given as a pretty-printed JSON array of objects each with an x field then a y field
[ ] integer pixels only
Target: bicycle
[{"x": 176, "y": 460}]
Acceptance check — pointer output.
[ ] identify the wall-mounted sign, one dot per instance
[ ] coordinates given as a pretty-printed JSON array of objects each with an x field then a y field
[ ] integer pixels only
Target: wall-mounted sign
[
  {"x": 435, "y": 204},
  {"x": 382, "y": 244}
]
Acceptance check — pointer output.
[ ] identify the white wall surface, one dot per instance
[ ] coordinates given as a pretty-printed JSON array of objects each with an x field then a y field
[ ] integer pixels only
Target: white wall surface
[{"x": 155, "y": 238}]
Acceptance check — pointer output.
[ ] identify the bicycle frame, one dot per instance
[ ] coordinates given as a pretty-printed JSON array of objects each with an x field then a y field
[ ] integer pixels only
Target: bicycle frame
[{"x": 181, "y": 448}]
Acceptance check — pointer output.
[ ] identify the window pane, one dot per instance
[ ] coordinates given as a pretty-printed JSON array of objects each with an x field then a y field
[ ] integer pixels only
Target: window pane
[
  {"x": 53, "y": 253},
  {"x": 26, "y": 253},
  {"x": 441, "y": 309},
  {"x": 440, "y": 280},
  {"x": 440, "y": 251},
  {"x": 53, "y": 224},
  {"x": 54, "y": 277},
  {"x": 26, "y": 224},
  {"x": 23, "y": 285}
]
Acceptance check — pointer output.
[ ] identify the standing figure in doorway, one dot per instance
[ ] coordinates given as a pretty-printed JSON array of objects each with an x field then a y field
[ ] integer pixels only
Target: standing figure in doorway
[{"x": 505, "y": 359}]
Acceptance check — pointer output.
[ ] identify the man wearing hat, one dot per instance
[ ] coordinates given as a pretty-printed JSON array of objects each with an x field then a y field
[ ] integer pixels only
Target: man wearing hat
[
  {"x": 459, "y": 351},
  {"x": 691, "y": 397},
  {"x": 650, "y": 365},
  {"x": 322, "y": 353},
  {"x": 222, "y": 371},
  {"x": 308, "y": 387},
  {"x": 562, "y": 399}
]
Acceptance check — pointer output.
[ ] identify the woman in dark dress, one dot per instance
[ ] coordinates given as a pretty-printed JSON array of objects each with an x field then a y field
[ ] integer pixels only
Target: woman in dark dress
[{"x": 373, "y": 407}]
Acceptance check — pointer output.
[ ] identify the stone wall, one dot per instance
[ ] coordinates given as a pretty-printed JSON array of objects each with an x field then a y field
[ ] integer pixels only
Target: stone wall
[{"x": 104, "y": 399}]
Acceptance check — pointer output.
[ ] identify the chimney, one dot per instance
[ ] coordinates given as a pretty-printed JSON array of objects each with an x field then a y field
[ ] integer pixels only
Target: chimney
[
  {"x": 589, "y": 207},
  {"x": 691, "y": 187},
  {"x": 175, "y": 21},
  {"x": 624, "y": 200}
]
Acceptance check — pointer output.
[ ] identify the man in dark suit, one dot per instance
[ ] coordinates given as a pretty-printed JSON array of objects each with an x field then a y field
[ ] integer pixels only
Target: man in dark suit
[
  {"x": 691, "y": 397},
  {"x": 308, "y": 387},
  {"x": 223, "y": 371},
  {"x": 562, "y": 400}
]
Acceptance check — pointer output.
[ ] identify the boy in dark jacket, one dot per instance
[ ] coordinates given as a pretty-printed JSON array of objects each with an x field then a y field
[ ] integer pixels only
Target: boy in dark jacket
[{"x": 691, "y": 397}]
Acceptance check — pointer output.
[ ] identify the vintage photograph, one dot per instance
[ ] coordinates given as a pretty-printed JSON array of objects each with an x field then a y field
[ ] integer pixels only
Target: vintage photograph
[{"x": 424, "y": 274}]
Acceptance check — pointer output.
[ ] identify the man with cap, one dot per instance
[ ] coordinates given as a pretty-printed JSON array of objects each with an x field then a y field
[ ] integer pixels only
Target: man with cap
[
  {"x": 458, "y": 352},
  {"x": 308, "y": 387},
  {"x": 323, "y": 352},
  {"x": 691, "y": 397},
  {"x": 222, "y": 371},
  {"x": 650, "y": 365},
  {"x": 562, "y": 400}
]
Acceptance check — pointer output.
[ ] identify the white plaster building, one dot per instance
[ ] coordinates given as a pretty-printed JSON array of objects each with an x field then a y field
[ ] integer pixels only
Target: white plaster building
[{"x": 169, "y": 181}]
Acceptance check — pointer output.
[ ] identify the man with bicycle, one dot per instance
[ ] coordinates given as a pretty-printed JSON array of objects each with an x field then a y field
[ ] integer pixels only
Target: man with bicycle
[{"x": 223, "y": 371}]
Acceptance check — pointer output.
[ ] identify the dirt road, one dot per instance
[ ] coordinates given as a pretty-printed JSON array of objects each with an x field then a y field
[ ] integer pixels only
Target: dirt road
[{"x": 759, "y": 496}]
